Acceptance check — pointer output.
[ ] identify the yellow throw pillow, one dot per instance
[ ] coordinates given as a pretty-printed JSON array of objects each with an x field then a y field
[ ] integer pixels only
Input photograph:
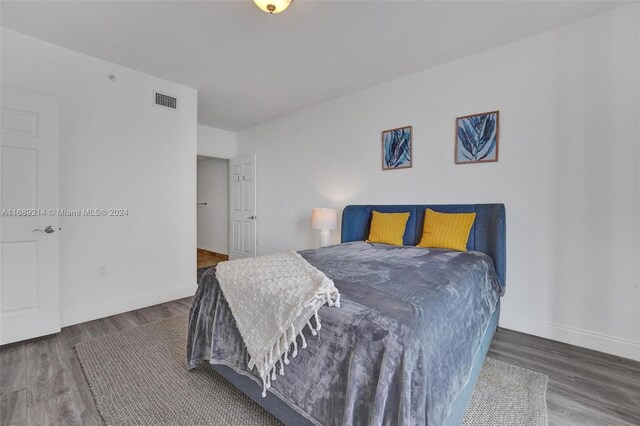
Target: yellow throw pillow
[
  {"x": 388, "y": 228},
  {"x": 446, "y": 230}
]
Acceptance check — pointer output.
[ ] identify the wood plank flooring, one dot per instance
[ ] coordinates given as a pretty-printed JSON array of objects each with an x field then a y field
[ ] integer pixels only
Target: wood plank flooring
[
  {"x": 42, "y": 382},
  {"x": 207, "y": 259},
  {"x": 585, "y": 387}
]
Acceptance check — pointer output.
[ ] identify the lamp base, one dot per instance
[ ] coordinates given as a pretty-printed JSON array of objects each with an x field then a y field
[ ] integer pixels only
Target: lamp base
[{"x": 324, "y": 237}]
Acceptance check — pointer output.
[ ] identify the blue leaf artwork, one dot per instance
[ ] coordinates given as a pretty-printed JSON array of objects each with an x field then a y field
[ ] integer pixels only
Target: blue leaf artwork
[
  {"x": 396, "y": 148},
  {"x": 477, "y": 138}
]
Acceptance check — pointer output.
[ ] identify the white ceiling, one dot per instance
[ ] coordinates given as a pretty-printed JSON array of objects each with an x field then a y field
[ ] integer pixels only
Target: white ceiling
[{"x": 250, "y": 67}]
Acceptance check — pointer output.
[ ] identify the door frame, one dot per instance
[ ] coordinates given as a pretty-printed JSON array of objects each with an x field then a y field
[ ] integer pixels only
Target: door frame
[{"x": 212, "y": 157}]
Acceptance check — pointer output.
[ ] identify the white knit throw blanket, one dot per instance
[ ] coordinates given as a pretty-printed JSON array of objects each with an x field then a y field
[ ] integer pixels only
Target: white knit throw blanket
[{"x": 272, "y": 298}]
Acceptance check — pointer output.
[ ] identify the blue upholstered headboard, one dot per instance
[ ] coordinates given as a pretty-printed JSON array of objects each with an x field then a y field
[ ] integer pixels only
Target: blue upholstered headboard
[{"x": 488, "y": 234}]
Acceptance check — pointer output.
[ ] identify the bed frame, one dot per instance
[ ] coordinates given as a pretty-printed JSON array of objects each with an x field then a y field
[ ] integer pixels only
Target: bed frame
[{"x": 488, "y": 235}]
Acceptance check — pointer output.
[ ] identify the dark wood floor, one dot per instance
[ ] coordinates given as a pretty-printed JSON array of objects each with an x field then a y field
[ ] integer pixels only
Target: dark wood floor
[
  {"x": 207, "y": 259},
  {"x": 42, "y": 382},
  {"x": 585, "y": 387}
]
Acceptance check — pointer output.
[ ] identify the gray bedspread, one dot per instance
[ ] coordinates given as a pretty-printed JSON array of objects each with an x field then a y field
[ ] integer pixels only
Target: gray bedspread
[{"x": 399, "y": 349}]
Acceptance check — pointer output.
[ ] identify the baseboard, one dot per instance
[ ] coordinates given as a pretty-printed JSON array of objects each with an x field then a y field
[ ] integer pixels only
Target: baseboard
[
  {"x": 573, "y": 336},
  {"x": 124, "y": 305}
]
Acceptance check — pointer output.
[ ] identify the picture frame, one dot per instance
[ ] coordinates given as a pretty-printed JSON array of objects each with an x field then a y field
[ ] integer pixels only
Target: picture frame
[
  {"x": 397, "y": 148},
  {"x": 477, "y": 138}
]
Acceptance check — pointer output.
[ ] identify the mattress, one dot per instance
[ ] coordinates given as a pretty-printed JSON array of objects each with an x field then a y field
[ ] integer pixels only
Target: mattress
[{"x": 399, "y": 350}]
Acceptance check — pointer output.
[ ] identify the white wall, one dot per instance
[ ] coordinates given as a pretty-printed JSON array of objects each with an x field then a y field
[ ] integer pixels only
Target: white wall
[
  {"x": 217, "y": 143},
  {"x": 213, "y": 220},
  {"x": 117, "y": 150},
  {"x": 568, "y": 170}
]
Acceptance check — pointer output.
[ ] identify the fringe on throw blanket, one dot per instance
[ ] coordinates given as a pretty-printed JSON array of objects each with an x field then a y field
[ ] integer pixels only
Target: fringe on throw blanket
[
  {"x": 273, "y": 299},
  {"x": 289, "y": 338}
]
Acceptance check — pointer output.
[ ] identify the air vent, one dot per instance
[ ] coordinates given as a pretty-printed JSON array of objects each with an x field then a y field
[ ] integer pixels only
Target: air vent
[{"x": 166, "y": 101}]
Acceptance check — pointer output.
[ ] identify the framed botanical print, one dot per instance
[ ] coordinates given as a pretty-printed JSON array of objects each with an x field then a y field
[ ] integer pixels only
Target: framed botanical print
[
  {"x": 397, "y": 148},
  {"x": 477, "y": 138}
]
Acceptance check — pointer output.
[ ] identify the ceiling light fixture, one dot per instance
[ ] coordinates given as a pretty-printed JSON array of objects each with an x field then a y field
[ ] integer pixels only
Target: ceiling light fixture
[{"x": 272, "y": 6}]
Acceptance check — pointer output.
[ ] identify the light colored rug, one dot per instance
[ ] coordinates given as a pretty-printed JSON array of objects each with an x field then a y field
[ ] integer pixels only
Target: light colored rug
[
  {"x": 138, "y": 377},
  {"x": 507, "y": 395}
]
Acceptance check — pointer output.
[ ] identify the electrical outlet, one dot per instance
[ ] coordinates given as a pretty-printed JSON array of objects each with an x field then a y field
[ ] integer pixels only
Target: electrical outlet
[{"x": 102, "y": 271}]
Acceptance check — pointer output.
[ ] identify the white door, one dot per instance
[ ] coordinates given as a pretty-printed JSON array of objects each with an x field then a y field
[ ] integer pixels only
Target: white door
[
  {"x": 243, "y": 207},
  {"x": 29, "y": 248}
]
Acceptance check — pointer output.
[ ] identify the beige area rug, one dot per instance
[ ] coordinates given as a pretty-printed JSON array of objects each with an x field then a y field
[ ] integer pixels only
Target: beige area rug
[
  {"x": 138, "y": 377},
  {"x": 507, "y": 395}
]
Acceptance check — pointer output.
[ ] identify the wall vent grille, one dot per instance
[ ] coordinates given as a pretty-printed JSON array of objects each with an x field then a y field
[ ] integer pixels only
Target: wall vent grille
[{"x": 166, "y": 101}]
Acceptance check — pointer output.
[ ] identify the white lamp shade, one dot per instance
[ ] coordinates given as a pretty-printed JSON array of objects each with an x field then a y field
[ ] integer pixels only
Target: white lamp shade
[
  {"x": 324, "y": 218},
  {"x": 272, "y": 6}
]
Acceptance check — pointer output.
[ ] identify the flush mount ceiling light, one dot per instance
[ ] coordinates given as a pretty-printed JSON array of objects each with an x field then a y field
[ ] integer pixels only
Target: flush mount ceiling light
[{"x": 272, "y": 6}]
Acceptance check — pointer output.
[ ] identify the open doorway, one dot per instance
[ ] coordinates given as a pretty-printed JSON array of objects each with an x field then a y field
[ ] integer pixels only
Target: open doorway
[{"x": 213, "y": 212}]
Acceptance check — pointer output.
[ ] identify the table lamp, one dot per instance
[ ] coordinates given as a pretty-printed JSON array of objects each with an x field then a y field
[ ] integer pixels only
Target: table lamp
[{"x": 324, "y": 220}]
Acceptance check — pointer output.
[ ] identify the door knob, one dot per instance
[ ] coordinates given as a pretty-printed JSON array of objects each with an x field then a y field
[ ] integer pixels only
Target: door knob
[
  {"x": 48, "y": 229},
  {"x": 251, "y": 217}
]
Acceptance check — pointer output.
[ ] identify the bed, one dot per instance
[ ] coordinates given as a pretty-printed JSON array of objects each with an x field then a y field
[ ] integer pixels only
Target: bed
[{"x": 407, "y": 345}]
